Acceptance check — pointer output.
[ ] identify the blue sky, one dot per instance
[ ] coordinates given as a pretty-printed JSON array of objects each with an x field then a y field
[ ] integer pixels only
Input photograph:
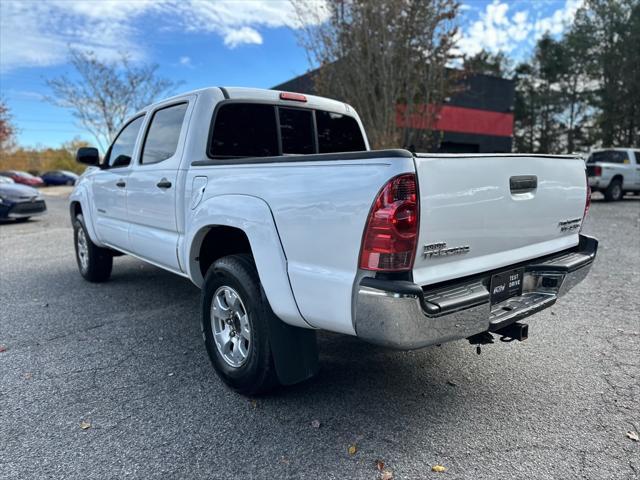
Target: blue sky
[{"x": 203, "y": 43}]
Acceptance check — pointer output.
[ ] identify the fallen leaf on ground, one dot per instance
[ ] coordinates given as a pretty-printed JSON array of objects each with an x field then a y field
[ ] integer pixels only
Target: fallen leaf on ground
[
  {"x": 379, "y": 465},
  {"x": 3, "y": 348},
  {"x": 254, "y": 403},
  {"x": 386, "y": 475},
  {"x": 84, "y": 425},
  {"x": 452, "y": 383},
  {"x": 315, "y": 424},
  {"x": 633, "y": 436},
  {"x": 438, "y": 468},
  {"x": 28, "y": 376},
  {"x": 352, "y": 449}
]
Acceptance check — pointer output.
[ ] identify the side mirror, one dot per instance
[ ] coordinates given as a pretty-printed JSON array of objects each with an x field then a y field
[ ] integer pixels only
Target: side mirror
[{"x": 88, "y": 156}]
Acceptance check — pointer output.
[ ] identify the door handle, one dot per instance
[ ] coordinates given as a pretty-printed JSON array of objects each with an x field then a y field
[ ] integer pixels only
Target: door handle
[
  {"x": 164, "y": 183},
  {"x": 121, "y": 184}
]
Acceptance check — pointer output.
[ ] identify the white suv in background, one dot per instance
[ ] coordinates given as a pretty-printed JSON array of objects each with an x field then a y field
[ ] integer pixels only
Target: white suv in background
[{"x": 614, "y": 171}]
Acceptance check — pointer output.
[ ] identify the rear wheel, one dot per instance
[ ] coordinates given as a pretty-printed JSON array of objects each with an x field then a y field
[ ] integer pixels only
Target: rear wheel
[
  {"x": 235, "y": 324},
  {"x": 94, "y": 263},
  {"x": 614, "y": 192}
]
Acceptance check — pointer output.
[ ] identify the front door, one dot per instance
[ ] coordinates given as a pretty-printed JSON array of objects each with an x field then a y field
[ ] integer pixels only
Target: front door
[
  {"x": 152, "y": 188},
  {"x": 110, "y": 188}
]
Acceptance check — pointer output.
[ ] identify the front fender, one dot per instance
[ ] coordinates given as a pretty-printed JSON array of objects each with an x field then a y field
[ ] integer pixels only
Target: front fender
[
  {"x": 80, "y": 195},
  {"x": 253, "y": 216}
]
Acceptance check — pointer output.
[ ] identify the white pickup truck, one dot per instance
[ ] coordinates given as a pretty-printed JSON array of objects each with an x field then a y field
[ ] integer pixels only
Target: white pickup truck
[
  {"x": 272, "y": 203},
  {"x": 614, "y": 172}
]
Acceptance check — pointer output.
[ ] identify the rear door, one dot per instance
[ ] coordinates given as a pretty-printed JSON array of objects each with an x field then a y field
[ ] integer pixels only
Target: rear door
[
  {"x": 153, "y": 186},
  {"x": 479, "y": 212},
  {"x": 110, "y": 187}
]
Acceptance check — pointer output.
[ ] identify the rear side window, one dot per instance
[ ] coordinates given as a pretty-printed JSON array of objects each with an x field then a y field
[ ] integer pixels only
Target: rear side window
[
  {"x": 338, "y": 133},
  {"x": 296, "y": 131},
  {"x": 162, "y": 138},
  {"x": 244, "y": 130},
  {"x": 123, "y": 146},
  {"x": 609, "y": 156}
]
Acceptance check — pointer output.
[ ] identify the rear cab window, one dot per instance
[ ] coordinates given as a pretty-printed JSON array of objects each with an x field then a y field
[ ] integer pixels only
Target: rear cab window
[{"x": 245, "y": 129}]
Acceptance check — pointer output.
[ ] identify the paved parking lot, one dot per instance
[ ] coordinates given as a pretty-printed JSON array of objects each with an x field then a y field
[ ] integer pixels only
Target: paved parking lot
[{"x": 125, "y": 360}]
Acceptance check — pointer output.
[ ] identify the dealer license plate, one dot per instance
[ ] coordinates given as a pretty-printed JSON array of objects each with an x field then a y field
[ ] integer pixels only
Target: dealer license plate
[{"x": 506, "y": 285}]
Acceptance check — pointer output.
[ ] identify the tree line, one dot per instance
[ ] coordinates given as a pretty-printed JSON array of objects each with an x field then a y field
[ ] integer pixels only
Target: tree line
[
  {"x": 583, "y": 89},
  {"x": 389, "y": 59}
]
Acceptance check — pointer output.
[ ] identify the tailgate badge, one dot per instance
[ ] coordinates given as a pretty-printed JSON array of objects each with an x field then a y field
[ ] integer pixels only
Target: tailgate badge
[
  {"x": 440, "y": 249},
  {"x": 569, "y": 225}
]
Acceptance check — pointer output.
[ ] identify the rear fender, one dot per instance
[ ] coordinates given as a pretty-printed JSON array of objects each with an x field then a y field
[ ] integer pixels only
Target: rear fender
[{"x": 253, "y": 216}]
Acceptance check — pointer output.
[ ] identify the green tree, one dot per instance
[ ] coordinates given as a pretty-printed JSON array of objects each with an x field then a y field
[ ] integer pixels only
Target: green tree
[
  {"x": 487, "y": 63},
  {"x": 539, "y": 101},
  {"x": 613, "y": 27}
]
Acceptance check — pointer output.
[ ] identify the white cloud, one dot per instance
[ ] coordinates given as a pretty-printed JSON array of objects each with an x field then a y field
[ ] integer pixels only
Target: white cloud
[
  {"x": 244, "y": 35},
  {"x": 185, "y": 61},
  {"x": 38, "y": 33},
  {"x": 497, "y": 30}
]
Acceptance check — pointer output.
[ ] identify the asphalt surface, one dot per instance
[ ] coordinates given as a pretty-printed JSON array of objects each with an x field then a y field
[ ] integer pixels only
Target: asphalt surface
[{"x": 127, "y": 358}]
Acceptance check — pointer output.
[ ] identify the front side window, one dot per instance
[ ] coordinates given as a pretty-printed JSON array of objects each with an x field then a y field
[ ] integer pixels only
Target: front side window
[
  {"x": 122, "y": 148},
  {"x": 296, "y": 131},
  {"x": 244, "y": 130},
  {"x": 162, "y": 138},
  {"x": 338, "y": 133}
]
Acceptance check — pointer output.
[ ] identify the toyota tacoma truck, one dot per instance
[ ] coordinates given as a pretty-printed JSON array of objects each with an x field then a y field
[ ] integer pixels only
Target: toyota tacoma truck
[
  {"x": 274, "y": 205},
  {"x": 614, "y": 172}
]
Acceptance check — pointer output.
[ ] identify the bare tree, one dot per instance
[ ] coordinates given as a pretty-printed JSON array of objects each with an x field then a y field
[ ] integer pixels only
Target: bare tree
[
  {"x": 7, "y": 128},
  {"x": 106, "y": 93},
  {"x": 386, "y": 58}
]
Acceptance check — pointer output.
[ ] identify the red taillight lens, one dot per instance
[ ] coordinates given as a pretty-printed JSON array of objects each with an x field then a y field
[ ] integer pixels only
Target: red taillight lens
[
  {"x": 389, "y": 241},
  {"x": 597, "y": 171}
]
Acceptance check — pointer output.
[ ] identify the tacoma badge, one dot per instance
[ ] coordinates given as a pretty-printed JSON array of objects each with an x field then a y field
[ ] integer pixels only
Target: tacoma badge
[{"x": 440, "y": 249}]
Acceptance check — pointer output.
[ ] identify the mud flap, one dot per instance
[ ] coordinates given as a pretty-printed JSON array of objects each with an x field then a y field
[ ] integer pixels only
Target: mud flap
[{"x": 295, "y": 351}]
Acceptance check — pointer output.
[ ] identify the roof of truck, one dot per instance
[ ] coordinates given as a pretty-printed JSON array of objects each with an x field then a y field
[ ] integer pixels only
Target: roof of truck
[{"x": 263, "y": 95}]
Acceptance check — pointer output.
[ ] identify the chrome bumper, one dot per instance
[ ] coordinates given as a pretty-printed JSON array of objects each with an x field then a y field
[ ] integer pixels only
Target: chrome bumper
[{"x": 402, "y": 315}]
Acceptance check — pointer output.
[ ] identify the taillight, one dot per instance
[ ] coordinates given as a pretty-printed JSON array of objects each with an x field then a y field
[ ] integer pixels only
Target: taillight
[
  {"x": 391, "y": 234},
  {"x": 597, "y": 171}
]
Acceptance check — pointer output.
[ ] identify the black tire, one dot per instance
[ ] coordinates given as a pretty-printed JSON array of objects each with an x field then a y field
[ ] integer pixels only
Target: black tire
[
  {"x": 22, "y": 219},
  {"x": 614, "y": 191},
  {"x": 99, "y": 261},
  {"x": 256, "y": 374}
]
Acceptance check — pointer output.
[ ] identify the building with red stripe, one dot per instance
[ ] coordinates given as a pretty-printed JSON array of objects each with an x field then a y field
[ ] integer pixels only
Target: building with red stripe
[{"x": 478, "y": 118}]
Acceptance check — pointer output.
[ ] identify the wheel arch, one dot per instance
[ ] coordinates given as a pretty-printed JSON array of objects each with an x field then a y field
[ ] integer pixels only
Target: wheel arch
[{"x": 229, "y": 224}]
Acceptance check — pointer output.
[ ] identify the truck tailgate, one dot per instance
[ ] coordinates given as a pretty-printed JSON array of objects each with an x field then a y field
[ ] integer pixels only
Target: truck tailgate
[{"x": 483, "y": 212}]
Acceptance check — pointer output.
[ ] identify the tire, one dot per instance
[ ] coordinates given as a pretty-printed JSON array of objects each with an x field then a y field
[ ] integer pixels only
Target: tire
[
  {"x": 614, "y": 192},
  {"x": 235, "y": 309},
  {"x": 94, "y": 263},
  {"x": 22, "y": 219}
]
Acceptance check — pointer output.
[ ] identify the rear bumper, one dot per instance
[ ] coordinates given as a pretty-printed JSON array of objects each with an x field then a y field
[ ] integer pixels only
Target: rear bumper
[{"x": 405, "y": 316}]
